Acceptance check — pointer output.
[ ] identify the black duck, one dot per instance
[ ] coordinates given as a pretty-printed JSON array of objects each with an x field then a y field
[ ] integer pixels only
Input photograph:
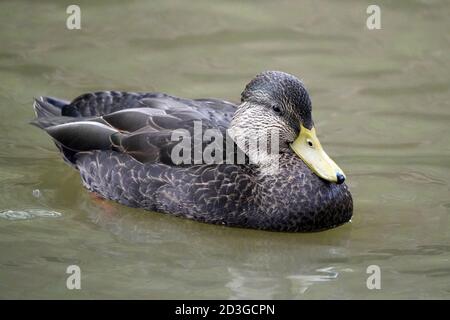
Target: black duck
[{"x": 122, "y": 144}]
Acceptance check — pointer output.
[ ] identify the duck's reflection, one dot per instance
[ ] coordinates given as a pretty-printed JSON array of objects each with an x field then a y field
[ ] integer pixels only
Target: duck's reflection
[{"x": 231, "y": 262}]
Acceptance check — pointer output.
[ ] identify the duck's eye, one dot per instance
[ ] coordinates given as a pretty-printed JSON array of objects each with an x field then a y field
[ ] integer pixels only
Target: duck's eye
[
  {"x": 309, "y": 142},
  {"x": 276, "y": 109}
]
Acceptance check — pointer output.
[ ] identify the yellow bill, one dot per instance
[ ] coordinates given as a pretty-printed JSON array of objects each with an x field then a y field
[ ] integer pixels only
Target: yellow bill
[{"x": 309, "y": 149}]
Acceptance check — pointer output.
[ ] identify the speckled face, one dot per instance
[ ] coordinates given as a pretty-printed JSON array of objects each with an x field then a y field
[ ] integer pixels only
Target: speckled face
[{"x": 274, "y": 100}]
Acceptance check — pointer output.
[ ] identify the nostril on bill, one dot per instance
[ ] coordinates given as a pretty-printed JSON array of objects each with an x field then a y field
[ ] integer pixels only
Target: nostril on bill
[{"x": 340, "y": 178}]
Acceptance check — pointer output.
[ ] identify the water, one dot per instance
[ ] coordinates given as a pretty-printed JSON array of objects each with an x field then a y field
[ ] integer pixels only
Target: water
[{"x": 381, "y": 105}]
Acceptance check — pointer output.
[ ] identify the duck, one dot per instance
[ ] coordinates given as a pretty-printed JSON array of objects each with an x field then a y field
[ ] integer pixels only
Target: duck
[{"x": 139, "y": 149}]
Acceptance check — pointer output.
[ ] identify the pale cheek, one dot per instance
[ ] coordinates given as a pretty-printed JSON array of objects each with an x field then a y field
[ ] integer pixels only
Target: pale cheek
[{"x": 285, "y": 133}]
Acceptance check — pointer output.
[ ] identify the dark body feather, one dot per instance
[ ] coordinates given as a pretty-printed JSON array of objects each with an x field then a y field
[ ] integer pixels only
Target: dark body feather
[{"x": 120, "y": 143}]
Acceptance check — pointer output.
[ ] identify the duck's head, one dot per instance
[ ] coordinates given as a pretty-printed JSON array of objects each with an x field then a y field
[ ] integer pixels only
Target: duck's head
[{"x": 275, "y": 100}]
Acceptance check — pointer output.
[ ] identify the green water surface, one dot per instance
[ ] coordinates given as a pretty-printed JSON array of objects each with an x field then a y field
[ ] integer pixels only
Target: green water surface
[{"x": 381, "y": 104}]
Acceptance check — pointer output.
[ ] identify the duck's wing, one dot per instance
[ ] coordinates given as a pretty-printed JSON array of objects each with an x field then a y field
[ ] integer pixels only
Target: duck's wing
[
  {"x": 219, "y": 112},
  {"x": 153, "y": 138},
  {"x": 148, "y": 133}
]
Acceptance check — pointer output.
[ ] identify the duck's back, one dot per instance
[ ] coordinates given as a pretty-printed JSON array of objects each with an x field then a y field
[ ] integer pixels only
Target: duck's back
[{"x": 219, "y": 112}]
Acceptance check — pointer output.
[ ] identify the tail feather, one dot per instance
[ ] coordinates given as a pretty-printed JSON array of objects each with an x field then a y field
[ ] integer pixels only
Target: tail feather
[
  {"x": 56, "y": 102},
  {"x": 48, "y": 107},
  {"x": 63, "y": 129}
]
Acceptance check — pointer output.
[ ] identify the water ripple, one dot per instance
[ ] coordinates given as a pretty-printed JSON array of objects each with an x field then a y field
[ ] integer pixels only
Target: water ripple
[{"x": 28, "y": 214}]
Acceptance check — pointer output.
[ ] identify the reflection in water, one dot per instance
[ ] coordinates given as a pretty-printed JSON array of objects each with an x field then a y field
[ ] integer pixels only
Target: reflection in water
[
  {"x": 303, "y": 282},
  {"x": 246, "y": 283},
  {"x": 28, "y": 214},
  {"x": 248, "y": 261}
]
